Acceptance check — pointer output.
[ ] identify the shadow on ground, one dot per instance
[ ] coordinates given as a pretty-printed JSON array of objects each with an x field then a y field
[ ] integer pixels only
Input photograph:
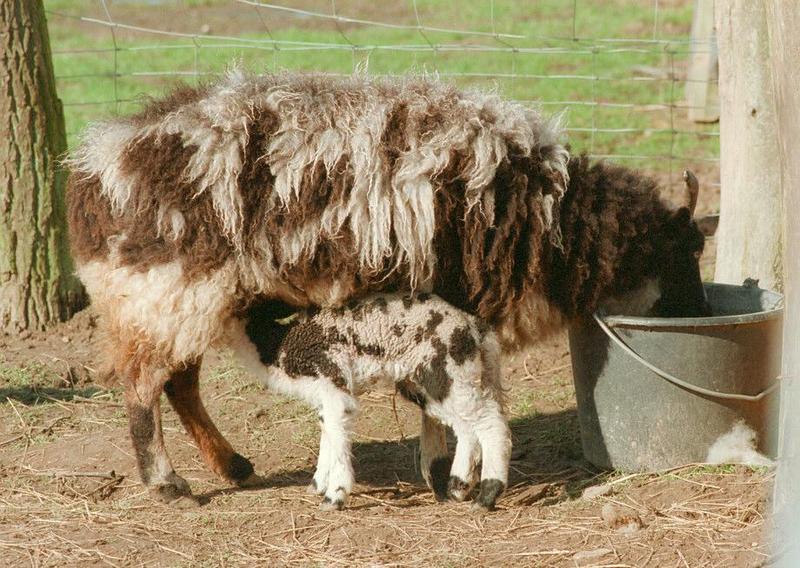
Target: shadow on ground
[
  {"x": 546, "y": 449},
  {"x": 29, "y": 395}
]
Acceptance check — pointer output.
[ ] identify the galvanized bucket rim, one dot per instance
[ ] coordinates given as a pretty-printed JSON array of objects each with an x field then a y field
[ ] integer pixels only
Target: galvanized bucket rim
[{"x": 642, "y": 322}]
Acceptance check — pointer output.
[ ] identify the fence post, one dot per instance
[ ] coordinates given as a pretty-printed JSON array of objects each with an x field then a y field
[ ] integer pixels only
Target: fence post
[
  {"x": 784, "y": 41},
  {"x": 702, "y": 94},
  {"x": 749, "y": 235}
]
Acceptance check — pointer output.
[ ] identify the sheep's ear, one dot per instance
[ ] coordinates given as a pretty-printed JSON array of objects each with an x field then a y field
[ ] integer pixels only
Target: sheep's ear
[{"x": 692, "y": 191}]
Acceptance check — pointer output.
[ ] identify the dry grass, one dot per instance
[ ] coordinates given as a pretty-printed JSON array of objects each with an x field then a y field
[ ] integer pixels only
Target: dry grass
[{"x": 69, "y": 494}]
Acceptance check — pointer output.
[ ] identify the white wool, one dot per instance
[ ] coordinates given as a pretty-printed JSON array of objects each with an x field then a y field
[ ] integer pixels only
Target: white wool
[{"x": 737, "y": 446}]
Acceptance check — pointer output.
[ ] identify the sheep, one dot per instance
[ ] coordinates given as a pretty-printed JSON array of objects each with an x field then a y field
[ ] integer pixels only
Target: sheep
[
  {"x": 442, "y": 359},
  {"x": 314, "y": 190}
]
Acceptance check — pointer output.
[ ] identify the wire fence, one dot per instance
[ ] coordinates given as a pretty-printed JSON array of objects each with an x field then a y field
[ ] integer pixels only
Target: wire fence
[{"x": 618, "y": 68}]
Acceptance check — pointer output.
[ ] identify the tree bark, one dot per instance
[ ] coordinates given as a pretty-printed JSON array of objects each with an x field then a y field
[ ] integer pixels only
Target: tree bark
[
  {"x": 37, "y": 285},
  {"x": 784, "y": 36},
  {"x": 749, "y": 236}
]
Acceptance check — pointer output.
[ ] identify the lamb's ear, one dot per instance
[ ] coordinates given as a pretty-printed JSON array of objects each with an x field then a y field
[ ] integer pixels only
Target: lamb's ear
[{"x": 691, "y": 193}]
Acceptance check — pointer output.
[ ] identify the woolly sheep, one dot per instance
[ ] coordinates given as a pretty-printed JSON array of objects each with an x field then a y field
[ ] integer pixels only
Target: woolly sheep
[{"x": 315, "y": 190}]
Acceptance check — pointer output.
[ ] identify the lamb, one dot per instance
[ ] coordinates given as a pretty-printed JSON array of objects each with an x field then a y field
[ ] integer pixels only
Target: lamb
[
  {"x": 444, "y": 360},
  {"x": 314, "y": 190}
]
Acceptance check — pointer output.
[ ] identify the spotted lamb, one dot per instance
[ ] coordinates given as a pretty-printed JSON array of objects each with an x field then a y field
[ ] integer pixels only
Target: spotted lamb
[{"x": 441, "y": 358}]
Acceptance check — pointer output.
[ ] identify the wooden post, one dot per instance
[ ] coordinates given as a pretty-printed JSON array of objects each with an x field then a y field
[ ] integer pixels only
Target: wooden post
[
  {"x": 784, "y": 41},
  {"x": 37, "y": 285},
  {"x": 749, "y": 234},
  {"x": 702, "y": 94}
]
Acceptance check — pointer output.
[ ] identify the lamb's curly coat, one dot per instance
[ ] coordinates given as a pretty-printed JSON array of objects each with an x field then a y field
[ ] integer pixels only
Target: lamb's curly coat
[{"x": 443, "y": 359}]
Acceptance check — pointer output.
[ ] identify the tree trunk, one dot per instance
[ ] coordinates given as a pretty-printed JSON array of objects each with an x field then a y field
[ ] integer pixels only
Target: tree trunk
[
  {"x": 749, "y": 236},
  {"x": 37, "y": 286},
  {"x": 784, "y": 34}
]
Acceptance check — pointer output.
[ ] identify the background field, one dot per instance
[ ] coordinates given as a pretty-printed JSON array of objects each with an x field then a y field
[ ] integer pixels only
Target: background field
[{"x": 68, "y": 488}]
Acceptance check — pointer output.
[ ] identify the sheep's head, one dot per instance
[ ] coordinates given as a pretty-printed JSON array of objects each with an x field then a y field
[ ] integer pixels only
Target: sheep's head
[{"x": 682, "y": 293}]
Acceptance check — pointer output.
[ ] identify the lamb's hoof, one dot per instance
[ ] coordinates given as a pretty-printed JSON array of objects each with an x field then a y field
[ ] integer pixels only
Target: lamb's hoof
[
  {"x": 487, "y": 496},
  {"x": 479, "y": 508},
  {"x": 253, "y": 480},
  {"x": 457, "y": 489},
  {"x": 329, "y": 504},
  {"x": 313, "y": 489}
]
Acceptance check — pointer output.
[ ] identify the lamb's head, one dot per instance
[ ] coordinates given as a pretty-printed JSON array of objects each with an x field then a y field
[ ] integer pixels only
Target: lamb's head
[{"x": 680, "y": 248}]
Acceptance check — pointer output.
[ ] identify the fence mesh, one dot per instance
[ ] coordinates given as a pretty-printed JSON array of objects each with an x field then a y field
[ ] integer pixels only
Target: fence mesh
[{"x": 618, "y": 68}]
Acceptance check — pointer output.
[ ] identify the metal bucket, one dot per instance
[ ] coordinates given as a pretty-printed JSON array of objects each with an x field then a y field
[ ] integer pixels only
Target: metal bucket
[{"x": 655, "y": 393}]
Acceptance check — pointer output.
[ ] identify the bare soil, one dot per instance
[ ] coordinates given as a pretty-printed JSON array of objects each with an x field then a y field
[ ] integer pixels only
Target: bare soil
[{"x": 69, "y": 493}]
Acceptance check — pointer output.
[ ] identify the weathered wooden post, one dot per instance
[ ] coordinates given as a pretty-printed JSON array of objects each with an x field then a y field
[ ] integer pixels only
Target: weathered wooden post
[
  {"x": 749, "y": 237},
  {"x": 37, "y": 286},
  {"x": 701, "y": 85},
  {"x": 784, "y": 61}
]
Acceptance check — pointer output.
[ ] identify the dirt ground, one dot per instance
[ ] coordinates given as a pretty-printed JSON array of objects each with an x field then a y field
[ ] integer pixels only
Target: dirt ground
[{"x": 69, "y": 494}]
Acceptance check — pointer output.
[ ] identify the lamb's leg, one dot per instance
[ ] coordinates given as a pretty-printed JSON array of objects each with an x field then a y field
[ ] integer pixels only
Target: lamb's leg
[
  {"x": 143, "y": 386},
  {"x": 495, "y": 440},
  {"x": 319, "y": 485},
  {"x": 338, "y": 409},
  {"x": 433, "y": 458},
  {"x": 464, "y": 474},
  {"x": 183, "y": 392}
]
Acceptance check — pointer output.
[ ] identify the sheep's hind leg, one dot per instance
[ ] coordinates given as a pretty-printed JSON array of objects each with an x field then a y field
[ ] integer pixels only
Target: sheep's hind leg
[
  {"x": 495, "y": 440},
  {"x": 143, "y": 386},
  {"x": 183, "y": 392},
  {"x": 338, "y": 410}
]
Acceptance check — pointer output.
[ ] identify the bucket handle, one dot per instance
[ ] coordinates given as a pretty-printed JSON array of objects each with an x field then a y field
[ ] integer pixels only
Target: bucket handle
[{"x": 674, "y": 380}]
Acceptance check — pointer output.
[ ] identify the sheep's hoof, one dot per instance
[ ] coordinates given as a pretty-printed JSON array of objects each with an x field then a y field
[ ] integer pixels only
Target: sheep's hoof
[
  {"x": 253, "y": 480},
  {"x": 176, "y": 493},
  {"x": 313, "y": 489},
  {"x": 331, "y": 505},
  {"x": 457, "y": 489}
]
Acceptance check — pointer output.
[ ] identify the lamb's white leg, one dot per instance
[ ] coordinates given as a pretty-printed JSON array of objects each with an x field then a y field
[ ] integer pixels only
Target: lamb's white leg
[
  {"x": 433, "y": 459},
  {"x": 319, "y": 484},
  {"x": 464, "y": 473},
  {"x": 338, "y": 411},
  {"x": 495, "y": 440}
]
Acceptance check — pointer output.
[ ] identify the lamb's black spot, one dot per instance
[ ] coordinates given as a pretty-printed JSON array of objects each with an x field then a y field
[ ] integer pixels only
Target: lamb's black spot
[
  {"x": 142, "y": 427},
  {"x": 462, "y": 345},
  {"x": 424, "y": 297},
  {"x": 372, "y": 349},
  {"x": 410, "y": 392},
  {"x": 239, "y": 468},
  {"x": 433, "y": 377},
  {"x": 305, "y": 350},
  {"x": 398, "y": 329},
  {"x": 264, "y": 332},
  {"x": 419, "y": 334},
  {"x": 407, "y": 301},
  {"x": 335, "y": 336},
  {"x": 433, "y": 321}
]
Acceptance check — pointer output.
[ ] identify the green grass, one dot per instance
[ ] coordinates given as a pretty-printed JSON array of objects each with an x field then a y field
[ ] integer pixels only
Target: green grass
[{"x": 549, "y": 78}]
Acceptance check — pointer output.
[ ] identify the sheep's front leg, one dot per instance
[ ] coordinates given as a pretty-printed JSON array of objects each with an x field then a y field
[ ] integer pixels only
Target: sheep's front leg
[
  {"x": 183, "y": 392},
  {"x": 433, "y": 457},
  {"x": 143, "y": 386}
]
